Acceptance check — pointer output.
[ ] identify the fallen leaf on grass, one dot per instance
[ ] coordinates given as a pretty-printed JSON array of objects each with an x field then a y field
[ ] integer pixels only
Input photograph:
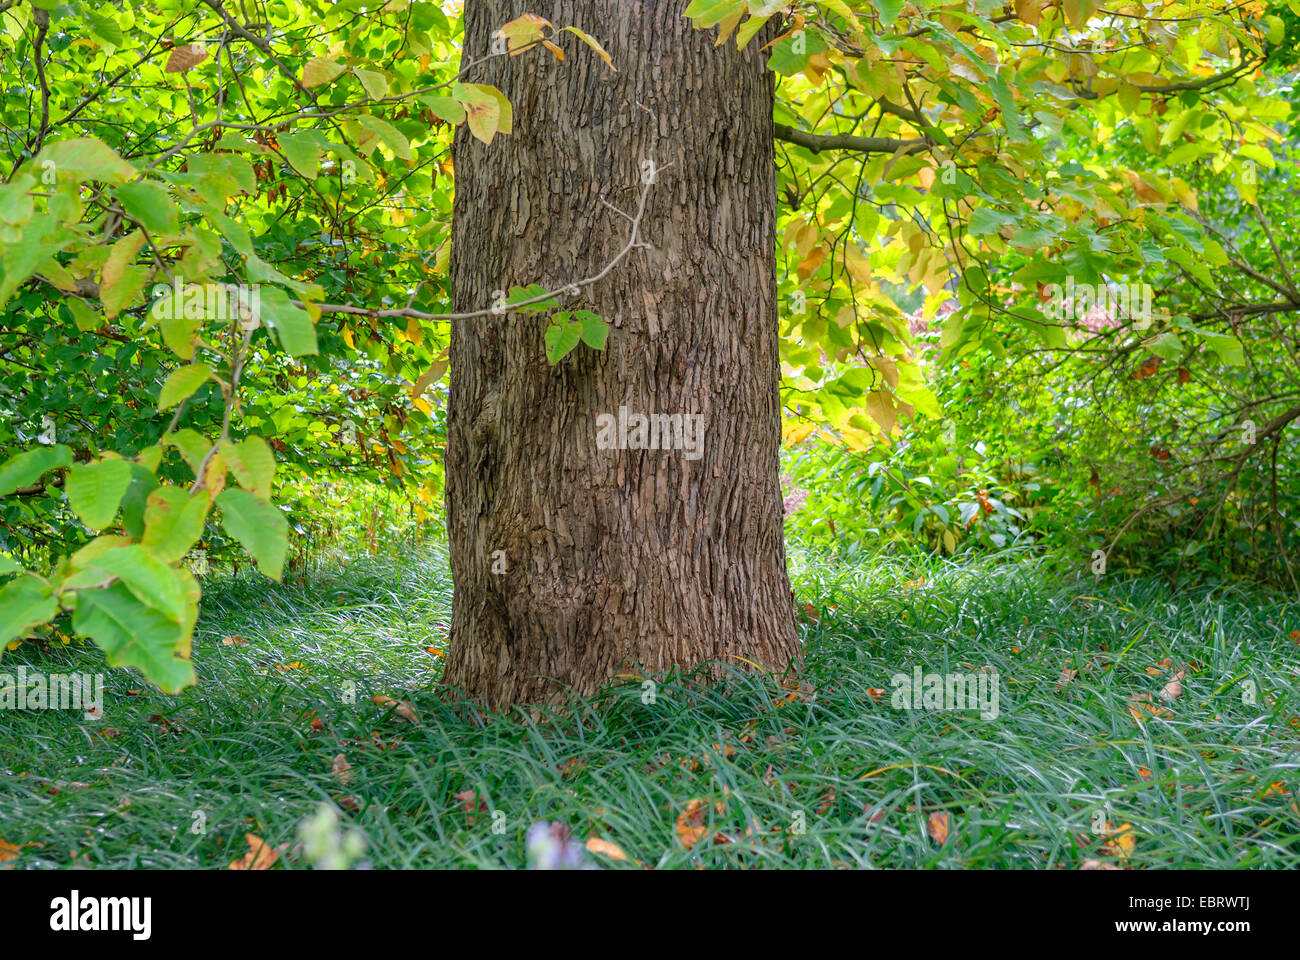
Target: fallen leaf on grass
[
  {"x": 10, "y": 852},
  {"x": 1066, "y": 676},
  {"x": 938, "y": 826},
  {"x": 1142, "y": 701},
  {"x": 1098, "y": 865},
  {"x": 1121, "y": 842},
  {"x": 611, "y": 850},
  {"x": 403, "y": 707},
  {"x": 875, "y": 693},
  {"x": 472, "y": 804},
  {"x": 1174, "y": 688},
  {"x": 690, "y": 822},
  {"x": 260, "y": 856},
  {"x": 341, "y": 769},
  {"x": 233, "y": 641}
]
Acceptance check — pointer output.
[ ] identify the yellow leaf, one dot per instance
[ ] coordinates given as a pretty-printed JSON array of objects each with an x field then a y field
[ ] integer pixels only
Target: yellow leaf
[
  {"x": 414, "y": 332},
  {"x": 591, "y": 42},
  {"x": 522, "y": 32}
]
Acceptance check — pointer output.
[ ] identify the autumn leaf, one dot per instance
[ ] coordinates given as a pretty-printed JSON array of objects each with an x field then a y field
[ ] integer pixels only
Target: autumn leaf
[
  {"x": 1122, "y": 841},
  {"x": 1174, "y": 688},
  {"x": 522, "y": 32},
  {"x": 591, "y": 42},
  {"x": 403, "y": 707},
  {"x": 605, "y": 848},
  {"x": 341, "y": 770},
  {"x": 690, "y": 823},
  {"x": 184, "y": 57},
  {"x": 938, "y": 825},
  {"x": 260, "y": 855}
]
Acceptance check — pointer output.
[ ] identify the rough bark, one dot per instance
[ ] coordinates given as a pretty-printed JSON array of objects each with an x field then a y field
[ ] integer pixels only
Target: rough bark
[{"x": 616, "y": 561}]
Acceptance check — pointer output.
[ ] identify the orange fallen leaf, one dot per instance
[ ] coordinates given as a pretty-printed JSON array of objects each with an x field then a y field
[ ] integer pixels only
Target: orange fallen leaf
[
  {"x": 611, "y": 850},
  {"x": 938, "y": 826},
  {"x": 690, "y": 823},
  {"x": 233, "y": 641},
  {"x": 1143, "y": 701},
  {"x": 875, "y": 693},
  {"x": 403, "y": 707},
  {"x": 1144, "y": 773},
  {"x": 1122, "y": 840},
  {"x": 260, "y": 856}
]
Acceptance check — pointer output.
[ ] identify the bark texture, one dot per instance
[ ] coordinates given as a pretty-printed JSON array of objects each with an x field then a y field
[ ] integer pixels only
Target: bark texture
[{"x": 616, "y": 560}]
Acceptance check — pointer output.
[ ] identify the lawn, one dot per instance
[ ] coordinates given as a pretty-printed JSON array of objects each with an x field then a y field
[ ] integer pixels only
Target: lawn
[{"x": 1085, "y": 763}]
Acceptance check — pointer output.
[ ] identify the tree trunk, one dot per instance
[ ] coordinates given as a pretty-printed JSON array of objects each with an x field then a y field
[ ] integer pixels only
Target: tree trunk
[{"x": 616, "y": 561}]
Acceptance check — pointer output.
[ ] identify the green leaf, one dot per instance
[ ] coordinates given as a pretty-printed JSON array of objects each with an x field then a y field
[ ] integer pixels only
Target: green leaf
[
  {"x": 151, "y": 581},
  {"x": 173, "y": 522},
  {"x": 388, "y": 133},
  {"x": 444, "y": 108},
  {"x": 85, "y": 318},
  {"x": 95, "y": 490},
  {"x": 986, "y": 220},
  {"x": 320, "y": 70},
  {"x": 594, "y": 329},
  {"x": 260, "y": 527},
  {"x": 375, "y": 84},
  {"x": 253, "y": 465},
  {"x": 561, "y": 338},
  {"x": 181, "y": 384},
  {"x": 26, "y": 468},
  {"x": 84, "y": 158},
  {"x": 24, "y": 603},
  {"x": 133, "y": 634},
  {"x": 302, "y": 150},
  {"x": 149, "y": 204},
  {"x": 291, "y": 322}
]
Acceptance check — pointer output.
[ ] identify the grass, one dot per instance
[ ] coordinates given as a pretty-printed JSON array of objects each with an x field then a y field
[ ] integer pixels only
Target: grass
[{"x": 831, "y": 776}]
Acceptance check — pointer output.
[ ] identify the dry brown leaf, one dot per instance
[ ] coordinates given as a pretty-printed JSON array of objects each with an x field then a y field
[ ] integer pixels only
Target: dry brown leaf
[
  {"x": 1098, "y": 865},
  {"x": 938, "y": 825},
  {"x": 690, "y": 823},
  {"x": 261, "y": 855},
  {"x": 341, "y": 769},
  {"x": 1174, "y": 688},
  {"x": 184, "y": 57},
  {"x": 233, "y": 641}
]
